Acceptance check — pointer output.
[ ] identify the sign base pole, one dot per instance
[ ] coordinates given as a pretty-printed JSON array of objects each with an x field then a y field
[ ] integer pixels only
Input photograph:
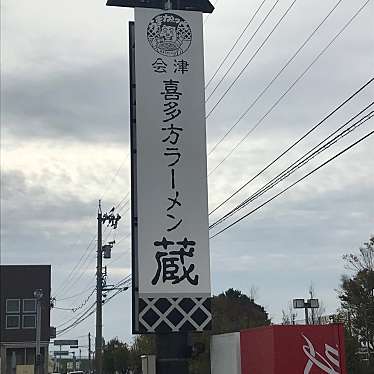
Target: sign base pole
[{"x": 172, "y": 352}]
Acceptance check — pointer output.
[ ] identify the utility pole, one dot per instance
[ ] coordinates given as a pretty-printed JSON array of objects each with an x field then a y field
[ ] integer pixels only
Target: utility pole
[
  {"x": 89, "y": 354},
  {"x": 99, "y": 295},
  {"x": 38, "y": 294},
  {"x": 100, "y": 280}
]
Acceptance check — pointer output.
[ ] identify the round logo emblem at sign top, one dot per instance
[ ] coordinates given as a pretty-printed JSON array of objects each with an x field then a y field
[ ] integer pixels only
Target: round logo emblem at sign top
[{"x": 169, "y": 34}]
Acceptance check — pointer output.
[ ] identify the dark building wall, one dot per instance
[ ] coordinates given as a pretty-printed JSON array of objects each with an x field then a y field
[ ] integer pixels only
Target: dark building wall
[{"x": 20, "y": 282}]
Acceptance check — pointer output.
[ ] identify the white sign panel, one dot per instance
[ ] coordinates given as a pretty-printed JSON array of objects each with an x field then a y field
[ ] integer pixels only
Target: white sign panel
[{"x": 173, "y": 244}]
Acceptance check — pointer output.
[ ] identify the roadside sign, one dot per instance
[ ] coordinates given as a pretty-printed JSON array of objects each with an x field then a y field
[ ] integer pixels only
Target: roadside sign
[
  {"x": 65, "y": 342},
  {"x": 61, "y": 353},
  {"x": 171, "y": 263}
]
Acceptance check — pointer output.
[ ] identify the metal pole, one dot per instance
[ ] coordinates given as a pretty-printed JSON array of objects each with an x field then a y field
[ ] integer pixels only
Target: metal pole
[
  {"x": 89, "y": 353},
  {"x": 99, "y": 296},
  {"x": 38, "y": 294},
  {"x": 74, "y": 362},
  {"x": 306, "y": 316},
  {"x": 59, "y": 360},
  {"x": 171, "y": 350}
]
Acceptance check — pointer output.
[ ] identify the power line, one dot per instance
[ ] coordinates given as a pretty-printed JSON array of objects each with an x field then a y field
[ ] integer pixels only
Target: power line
[
  {"x": 303, "y": 160},
  {"x": 59, "y": 308},
  {"x": 247, "y": 64},
  {"x": 234, "y": 45},
  {"x": 119, "y": 256},
  {"x": 293, "y": 145},
  {"x": 78, "y": 321},
  {"x": 77, "y": 276},
  {"x": 123, "y": 238},
  {"x": 64, "y": 284},
  {"x": 83, "y": 271},
  {"x": 86, "y": 315},
  {"x": 75, "y": 317},
  {"x": 293, "y": 184},
  {"x": 123, "y": 281},
  {"x": 276, "y": 77},
  {"x": 109, "y": 184},
  {"x": 86, "y": 254},
  {"x": 74, "y": 296},
  {"x": 289, "y": 89},
  {"x": 84, "y": 302},
  {"x": 121, "y": 201},
  {"x": 240, "y": 54}
]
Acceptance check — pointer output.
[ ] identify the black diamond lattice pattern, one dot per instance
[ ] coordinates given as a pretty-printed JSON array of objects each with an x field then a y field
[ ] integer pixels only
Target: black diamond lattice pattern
[{"x": 174, "y": 314}]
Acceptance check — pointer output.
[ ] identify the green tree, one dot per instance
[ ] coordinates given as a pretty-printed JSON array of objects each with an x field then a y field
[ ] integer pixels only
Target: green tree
[
  {"x": 352, "y": 346},
  {"x": 357, "y": 303},
  {"x": 234, "y": 311},
  {"x": 142, "y": 345},
  {"x": 115, "y": 357}
]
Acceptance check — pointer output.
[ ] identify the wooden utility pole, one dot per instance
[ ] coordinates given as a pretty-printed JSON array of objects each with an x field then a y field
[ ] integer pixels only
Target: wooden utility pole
[{"x": 99, "y": 296}]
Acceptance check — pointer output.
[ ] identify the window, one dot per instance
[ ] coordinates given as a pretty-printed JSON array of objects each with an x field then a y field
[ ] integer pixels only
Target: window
[
  {"x": 29, "y": 321},
  {"x": 12, "y": 306},
  {"x": 12, "y": 321},
  {"x": 29, "y": 306}
]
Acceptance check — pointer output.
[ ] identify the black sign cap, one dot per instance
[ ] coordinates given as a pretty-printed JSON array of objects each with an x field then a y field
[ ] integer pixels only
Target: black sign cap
[{"x": 203, "y": 6}]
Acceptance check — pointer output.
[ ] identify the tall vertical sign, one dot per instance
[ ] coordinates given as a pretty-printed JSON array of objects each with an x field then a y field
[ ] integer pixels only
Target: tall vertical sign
[{"x": 171, "y": 265}]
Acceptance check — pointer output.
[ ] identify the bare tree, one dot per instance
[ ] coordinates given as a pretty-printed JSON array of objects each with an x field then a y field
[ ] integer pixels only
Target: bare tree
[
  {"x": 253, "y": 293},
  {"x": 289, "y": 316},
  {"x": 317, "y": 313},
  {"x": 364, "y": 260}
]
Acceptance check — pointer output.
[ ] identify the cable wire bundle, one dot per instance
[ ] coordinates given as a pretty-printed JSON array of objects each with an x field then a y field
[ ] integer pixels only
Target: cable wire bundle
[{"x": 303, "y": 160}]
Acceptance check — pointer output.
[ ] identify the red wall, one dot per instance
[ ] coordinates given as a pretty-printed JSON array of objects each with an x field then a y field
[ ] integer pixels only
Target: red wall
[
  {"x": 256, "y": 351},
  {"x": 312, "y": 349}
]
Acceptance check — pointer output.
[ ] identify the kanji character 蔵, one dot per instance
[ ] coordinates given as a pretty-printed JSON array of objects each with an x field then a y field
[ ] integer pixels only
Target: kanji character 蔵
[{"x": 171, "y": 265}]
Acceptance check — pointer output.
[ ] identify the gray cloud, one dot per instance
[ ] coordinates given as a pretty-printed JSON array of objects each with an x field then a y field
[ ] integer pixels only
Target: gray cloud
[{"x": 82, "y": 104}]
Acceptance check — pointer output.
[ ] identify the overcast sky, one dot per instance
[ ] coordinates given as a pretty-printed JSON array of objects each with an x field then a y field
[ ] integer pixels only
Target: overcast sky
[{"x": 65, "y": 144}]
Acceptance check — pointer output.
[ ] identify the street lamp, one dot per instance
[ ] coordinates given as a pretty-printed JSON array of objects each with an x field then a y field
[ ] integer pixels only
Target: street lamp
[{"x": 308, "y": 304}]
